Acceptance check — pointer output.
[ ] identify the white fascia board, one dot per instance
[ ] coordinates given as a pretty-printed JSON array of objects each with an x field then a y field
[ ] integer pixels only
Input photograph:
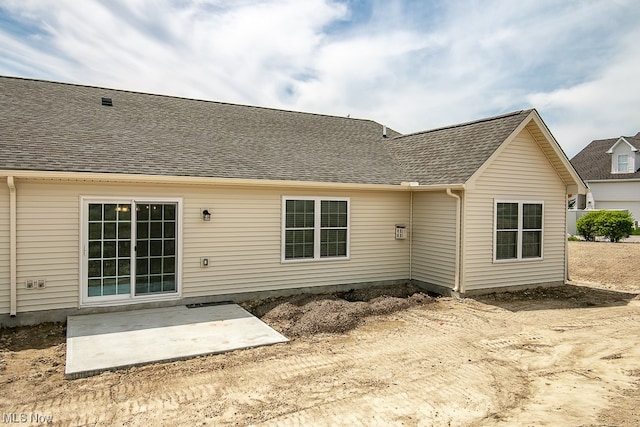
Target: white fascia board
[
  {"x": 612, "y": 180},
  {"x": 438, "y": 187},
  {"x": 187, "y": 180}
]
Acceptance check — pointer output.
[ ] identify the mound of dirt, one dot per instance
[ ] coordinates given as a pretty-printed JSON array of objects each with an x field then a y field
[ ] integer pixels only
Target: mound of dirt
[{"x": 304, "y": 315}]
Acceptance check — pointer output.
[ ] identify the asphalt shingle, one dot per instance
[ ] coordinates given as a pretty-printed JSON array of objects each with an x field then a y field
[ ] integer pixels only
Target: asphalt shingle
[
  {"x": 450, "y": 155},
  {"x": 61, "y": 127},
  {"x": 49, "y": 126},
  {"x": 594, "y": 163}
]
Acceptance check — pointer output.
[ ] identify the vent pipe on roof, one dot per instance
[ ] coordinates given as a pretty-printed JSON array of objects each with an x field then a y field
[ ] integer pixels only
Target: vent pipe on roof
[
  {"x": 107, "y": 102},
  {"x": 384, "y": 131}
]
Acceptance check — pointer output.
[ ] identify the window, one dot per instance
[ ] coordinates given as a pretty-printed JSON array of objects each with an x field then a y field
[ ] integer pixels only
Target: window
[
  {"x": 518, "y": 230},
  {"x": 315, "y": 228},
  {"x": 623, "y": 163}
]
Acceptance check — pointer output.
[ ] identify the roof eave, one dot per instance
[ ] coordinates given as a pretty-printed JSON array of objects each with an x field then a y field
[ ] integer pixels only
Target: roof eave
[
  {"x": 190, "y": 180},
  {"x": 435, "y": 187}
]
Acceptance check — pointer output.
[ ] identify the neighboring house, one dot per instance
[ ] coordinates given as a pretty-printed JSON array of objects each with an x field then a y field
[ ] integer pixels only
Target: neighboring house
[
  {"x": 611, "y": 169},
  {"x": 112, "y": 198}
]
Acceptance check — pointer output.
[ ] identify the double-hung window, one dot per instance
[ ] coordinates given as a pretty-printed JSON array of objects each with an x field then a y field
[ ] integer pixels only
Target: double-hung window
[
  {"x": 518, "y": 230},
  {"x": 623, "y": 163},
  {"x": 315, "y": 228}
]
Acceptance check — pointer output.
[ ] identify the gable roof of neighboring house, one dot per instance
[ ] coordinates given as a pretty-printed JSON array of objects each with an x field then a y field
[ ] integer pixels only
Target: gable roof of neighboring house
[
  {"x": 453, "y": 154},
  {"x": 59, "y": 127},
  {"x": 594, "y": 161}
]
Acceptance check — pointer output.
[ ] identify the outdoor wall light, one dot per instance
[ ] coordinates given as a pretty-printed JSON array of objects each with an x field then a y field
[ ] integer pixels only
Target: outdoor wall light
[{"x": 206, "y": 215}]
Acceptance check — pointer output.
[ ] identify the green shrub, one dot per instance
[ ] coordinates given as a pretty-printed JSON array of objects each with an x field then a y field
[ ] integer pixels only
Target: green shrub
[
  {"x": 586, "y": 225},
  {"x": 613, "y": 225},
  {"x": 574, "y": 239}
]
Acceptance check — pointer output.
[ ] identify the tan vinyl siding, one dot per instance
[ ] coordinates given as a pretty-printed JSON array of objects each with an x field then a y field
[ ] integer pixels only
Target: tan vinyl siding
[
  {"x": 47, "y": 245},
  {"x": 521, "y": 172},
  {"x": 242, "y": 239},
  {"x": 434, "y": 230},
  {"x": 244, "y": 244},
  {"x": 4, "y": 246}
]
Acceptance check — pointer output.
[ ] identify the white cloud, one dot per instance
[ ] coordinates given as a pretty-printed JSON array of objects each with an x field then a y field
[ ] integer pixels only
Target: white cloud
[
  {"x": 410, "y": 65},
  {"x": 606, "y": 106}
]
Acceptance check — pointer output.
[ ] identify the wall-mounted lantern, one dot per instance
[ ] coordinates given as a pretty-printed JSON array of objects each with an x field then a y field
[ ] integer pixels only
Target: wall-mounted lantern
[{"x": 206, "y": 215}]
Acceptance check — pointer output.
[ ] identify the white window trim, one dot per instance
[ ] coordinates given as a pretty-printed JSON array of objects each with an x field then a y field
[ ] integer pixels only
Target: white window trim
[
  {"x": 617, "y": 166},
  {"x": 84, "y": 299},
  {"x": 519, "y": 257},
  {"x": 316, "y": 229}
]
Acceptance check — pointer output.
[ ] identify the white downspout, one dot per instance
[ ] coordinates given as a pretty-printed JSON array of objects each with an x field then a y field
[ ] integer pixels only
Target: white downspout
[
  {"x": 566, "y": 245},
  {"x": 13, "y": 284},
  {"x": 411, "y": 236},
  {"x": 456, "y": 275}
]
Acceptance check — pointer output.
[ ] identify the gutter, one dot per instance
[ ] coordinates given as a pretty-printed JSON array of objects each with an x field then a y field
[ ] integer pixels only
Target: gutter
[
  {"x": 456, "y": 274},
  {"x": 13, "y": 283},
  {"x": 230, "y": 182},
  {"x": 189, "y": 180}
]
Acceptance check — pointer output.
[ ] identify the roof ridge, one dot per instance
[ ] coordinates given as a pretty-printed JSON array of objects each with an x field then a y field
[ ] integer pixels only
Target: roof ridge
[
  {"x": 185, "y": 98},
  {"x": 487, "y": 119}
]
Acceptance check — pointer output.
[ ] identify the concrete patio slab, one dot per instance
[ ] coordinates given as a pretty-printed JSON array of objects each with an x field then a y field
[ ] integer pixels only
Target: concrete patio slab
[{"x": 99, "y": 342}]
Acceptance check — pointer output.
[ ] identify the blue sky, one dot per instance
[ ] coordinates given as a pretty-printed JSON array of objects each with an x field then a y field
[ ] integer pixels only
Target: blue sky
[{"x": 412, "y": 65}]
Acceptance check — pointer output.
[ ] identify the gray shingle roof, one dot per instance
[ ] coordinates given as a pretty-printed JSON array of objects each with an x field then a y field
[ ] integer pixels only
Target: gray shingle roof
[
  {"x": 62, "y": 127},
  {"x": 49, "y": 126},
  {"x": 593, "y": 162},
  {"x": 450, "y": 155}
]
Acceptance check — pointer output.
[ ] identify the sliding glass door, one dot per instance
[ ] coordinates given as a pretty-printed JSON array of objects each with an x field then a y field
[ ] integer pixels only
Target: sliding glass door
[
  {"x": 117, "y": 269},
  {"x": 155, "y": 248}
]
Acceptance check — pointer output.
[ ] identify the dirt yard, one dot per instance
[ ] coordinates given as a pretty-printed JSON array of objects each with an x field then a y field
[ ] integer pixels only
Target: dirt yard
[{"x": 564, "y": 356}]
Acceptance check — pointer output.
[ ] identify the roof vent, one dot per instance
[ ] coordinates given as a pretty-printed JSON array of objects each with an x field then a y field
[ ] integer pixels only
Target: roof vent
[
  {"x": 384, "y": 131},
  {"x": 107, "y": 102}
]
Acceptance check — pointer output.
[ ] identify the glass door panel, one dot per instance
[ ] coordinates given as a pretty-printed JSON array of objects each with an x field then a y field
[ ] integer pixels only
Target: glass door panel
[
  {"x": 109, "y": 249},
  {"x": 155, "y": 248}
]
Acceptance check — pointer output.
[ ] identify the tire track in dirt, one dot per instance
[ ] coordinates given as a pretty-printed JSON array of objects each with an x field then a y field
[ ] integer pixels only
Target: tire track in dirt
[
  {"x": 569, "y": 380},
  {"x": 326, "y": 381},
  {"x": 406, "y": 399},
  {"x": 332, "y": 382},
  {"x": 458, "y": 362}
]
